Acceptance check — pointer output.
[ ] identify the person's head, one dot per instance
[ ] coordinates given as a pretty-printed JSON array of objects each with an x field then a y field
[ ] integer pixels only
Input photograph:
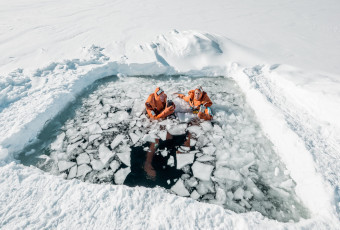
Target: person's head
[
  {"x": 198, "y": 92},
  {"x": 160, "y": 95}
]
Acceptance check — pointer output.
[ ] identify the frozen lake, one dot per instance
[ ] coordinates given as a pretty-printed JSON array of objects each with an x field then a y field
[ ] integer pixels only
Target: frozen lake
[{"x": 105, "y": 137}]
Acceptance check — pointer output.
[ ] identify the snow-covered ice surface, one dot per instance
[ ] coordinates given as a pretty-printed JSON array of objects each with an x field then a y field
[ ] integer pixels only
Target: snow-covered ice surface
[{"x": 52, "y": 50}]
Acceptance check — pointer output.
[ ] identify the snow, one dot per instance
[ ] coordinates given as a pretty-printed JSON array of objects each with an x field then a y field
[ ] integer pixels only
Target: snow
[{"x": 283, "y": 55}]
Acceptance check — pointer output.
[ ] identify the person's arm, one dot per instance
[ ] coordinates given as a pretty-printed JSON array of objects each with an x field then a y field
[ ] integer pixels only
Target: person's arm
[
  {"x": 187, "y": 98},
  {"x": 166, "y": 112}
]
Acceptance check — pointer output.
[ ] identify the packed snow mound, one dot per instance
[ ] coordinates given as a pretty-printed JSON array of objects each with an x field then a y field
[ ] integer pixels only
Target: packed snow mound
[{"x": 230, "y": 162}]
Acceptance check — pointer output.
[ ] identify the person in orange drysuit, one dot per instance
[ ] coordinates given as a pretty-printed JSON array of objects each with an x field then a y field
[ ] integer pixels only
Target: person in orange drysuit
[
  {"x": 199, "y": 102},
  {"x": 156, "y": 105}
]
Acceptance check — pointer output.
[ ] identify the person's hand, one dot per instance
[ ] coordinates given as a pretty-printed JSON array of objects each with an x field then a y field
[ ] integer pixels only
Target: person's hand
[
  {"x": 202, "y": 108},
  {"x": 179, "y": 95},
  {"x": 169, "y": 110}
]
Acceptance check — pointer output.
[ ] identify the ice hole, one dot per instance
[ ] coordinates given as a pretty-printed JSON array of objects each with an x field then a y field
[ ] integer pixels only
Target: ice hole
[{"x": 104, "y": 136}]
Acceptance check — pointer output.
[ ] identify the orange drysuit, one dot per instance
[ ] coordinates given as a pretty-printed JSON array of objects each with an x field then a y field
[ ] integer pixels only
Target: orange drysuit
[
  {"x": 196, "y": 104},
  {"x": 157, "y": 109}
]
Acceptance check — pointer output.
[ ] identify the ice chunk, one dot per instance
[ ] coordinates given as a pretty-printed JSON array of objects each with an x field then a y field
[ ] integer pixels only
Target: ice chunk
[
  {"x": 114, "y": 165},
  {"x": 209, "y": 150},
  {"x": 58, "y": 143},
  {"x": 202, "y": 171},
  {"x": 185, "y": 148},
  {"x": 64, "y": 165},
  {"x": 93, "y": 137},
  {"x": 192, "y": 182},
  {"x": 196, "y": 130},
  {"x": 72, "y": 173},
  {"x": 106, "y": 175},
  {"x": 180, "y": 189},
  {"x": 121, "y": 174},
  {"x": 125, "y": 158},
  {"x": 118, "y": 139},
  {"x": 206, "y": 158},
  {"x": 97, "y": 165},
  {"x": 206, "y": 125},
  {"x": 221, "y": 196},
  {"x": 217, "y": 129},
  {"x": 134, "y": 138},
  {"x": 148, "y": 138},
  {"x": 178, "y": 129},
  {"x": 95, "y": 129},
  {"x": 205, "y": 187},
  {"x": 105, "y": 154},
  {"x": 83, "y": 159},
  {"x": 195, "y": 195},
  {"x": 162, "y": 134},
  {"x": 288, "y": 184},
  {"x": 277, "y": 170},
  {"x": 248, "y": 195},
  {"x": 83, "y": 170},
  {"x": 238, "y": 194},
  {"x": 171, "y": 161},
  {"x": 70, "y": 148},
  {"x": 192, "y": 142},
  {"x": 184, "y": 159},
  {"x": 227, "y": 174},
  {"x": 164, "y": 153}
]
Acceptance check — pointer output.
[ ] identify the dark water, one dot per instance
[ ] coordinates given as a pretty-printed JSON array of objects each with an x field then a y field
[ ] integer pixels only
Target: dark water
[{"x": 165, "y": 175}]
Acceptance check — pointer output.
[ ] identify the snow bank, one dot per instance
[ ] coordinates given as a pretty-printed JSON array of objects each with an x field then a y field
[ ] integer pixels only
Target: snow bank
[{"x": 35, "y": 200}]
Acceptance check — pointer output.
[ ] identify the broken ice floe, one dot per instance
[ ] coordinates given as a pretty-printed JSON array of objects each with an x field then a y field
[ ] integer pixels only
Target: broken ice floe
[{"x": 228, "y": 161}]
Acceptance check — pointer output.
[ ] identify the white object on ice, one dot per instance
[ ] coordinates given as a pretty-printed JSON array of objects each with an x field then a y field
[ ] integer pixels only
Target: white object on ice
[
  {"x": 83, "y": 159},
  {"x": 162, "y": 134},
  {"x": 83, "y": 170},
  {"x": 118, "y": 139},
  {"x": 97, "y": 165},
  {"x": 72, "y": 173},
  {"x": 134, "y": 138},
  {"x": 178, "y": 129},
  {"x": 202, "y": 171},
  {"x": 180, "y": 189},
  {"x": 121, "y": 174},
  {"x": 196, "y": 130},
  {"x": 64, "y": 165},
  {"x": 184, "y": 159},
  {"x": 125, "y": 158},
  {"x": 195, "y": 195},
  {"x": 239, "y": 194},
  {"x": 210, "y": 150},
  {"x": 171, "y": 161},
  {"x": 206, "y": 126},
  {"x": 227, "y": 174},
  {"x": 58, "y": 143},
  {"x": 93, "y": 137},
  {"x": 205, "y": 158},
  {"x": 95, "y": 129},
  {"x": 114, "y": 165},
  {"x": 105, "y": 154}
]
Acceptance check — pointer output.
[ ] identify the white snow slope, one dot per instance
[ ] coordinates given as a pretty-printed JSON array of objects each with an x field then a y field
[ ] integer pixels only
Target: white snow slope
[{"x": 283, "y": 54}]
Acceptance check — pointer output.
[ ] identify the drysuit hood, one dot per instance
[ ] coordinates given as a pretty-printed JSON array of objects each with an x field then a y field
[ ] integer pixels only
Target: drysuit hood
[{"x": 158, "y": 91}]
